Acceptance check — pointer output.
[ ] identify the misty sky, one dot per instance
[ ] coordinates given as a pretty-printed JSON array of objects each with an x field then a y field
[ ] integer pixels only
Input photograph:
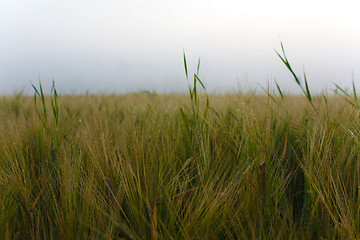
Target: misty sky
[{"x": 124, "y": 46}]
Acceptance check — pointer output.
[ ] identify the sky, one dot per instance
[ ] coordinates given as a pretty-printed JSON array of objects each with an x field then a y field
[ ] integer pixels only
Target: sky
[{"x": 123, "y": 46}]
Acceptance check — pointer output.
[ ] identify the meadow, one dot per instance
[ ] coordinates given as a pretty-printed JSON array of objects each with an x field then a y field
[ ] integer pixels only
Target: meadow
[{"x": 180, "y": 166}]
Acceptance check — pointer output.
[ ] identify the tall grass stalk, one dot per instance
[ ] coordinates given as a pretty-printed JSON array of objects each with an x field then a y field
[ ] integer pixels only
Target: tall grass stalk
[{"x": 305, "y": 89}]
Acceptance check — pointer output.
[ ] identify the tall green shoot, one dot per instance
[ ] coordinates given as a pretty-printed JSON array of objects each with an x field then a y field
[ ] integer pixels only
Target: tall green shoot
[
  {"x": 197, "y": 120},
  {"x": 305, "y": 89},
  {"x": 54, "y": 103},
  {"x": 352, "y": 101},
  {"x": 268, "y": 93},
  {"x": 39, "y": 93},
  {"x": 272, "y": 96},
  {"x": 279, "y": 90}
]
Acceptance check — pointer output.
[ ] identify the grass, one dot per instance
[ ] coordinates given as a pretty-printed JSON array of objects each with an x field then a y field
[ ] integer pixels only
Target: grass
[{"x": 197, "y": 166}]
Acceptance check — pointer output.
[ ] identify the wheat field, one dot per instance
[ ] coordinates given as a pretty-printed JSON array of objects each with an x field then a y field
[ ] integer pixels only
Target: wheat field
[
  {"x": 148, "y": 166},
  {"x": 181, "y": 166}
]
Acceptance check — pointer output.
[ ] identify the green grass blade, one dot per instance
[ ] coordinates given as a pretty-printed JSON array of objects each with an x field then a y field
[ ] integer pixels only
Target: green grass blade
[
  {"x": 198, "y": 67},
  {"x": 198, "y": 79},
  {"x": 43, "y": 100},
  {"x": 35, "y": 89},
  {"x": 342, "y": 90},
  {"x": 282, "y": 59},
  {"x": 354, "y": 90},
  {"x": 325, "y": 98},
  {"x": 190, "y": 92},
  {"x": 351, "y": 103},
  {"x": 308, "y": 94},
  {"x": 278, "y": 88},
  {"x": 194, "y": 88},
  {"x": 185, "y": 66},
  {"x": 36, "y": 93},
  {"x": 307, "y": 89},
  {"x": 54, "y": 103},
  {"x": 286, "y": 62},
  {"x": 268, "y": 93}
]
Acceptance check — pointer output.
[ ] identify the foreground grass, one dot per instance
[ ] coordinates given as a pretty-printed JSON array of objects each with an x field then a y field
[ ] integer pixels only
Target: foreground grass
[{"x": 154, "y": 167}]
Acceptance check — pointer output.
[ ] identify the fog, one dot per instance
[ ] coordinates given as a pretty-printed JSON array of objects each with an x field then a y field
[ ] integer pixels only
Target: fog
[{"x": 128, "y": 46}]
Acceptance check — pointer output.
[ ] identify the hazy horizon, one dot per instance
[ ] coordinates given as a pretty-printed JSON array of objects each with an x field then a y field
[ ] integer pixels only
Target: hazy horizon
[{"x": 128, "y": 46}]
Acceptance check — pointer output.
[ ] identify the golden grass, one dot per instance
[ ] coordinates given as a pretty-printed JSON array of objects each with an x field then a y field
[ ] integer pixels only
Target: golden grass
[{"x": 128, "y": 167}]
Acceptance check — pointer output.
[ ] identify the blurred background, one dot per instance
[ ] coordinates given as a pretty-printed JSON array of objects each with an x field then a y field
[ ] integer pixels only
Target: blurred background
[{"x": 124, "y": 46}]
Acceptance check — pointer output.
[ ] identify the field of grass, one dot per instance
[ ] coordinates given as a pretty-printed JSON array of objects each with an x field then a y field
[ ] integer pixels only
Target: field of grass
[
  {"x": 147, "y": 166},
  {"x": 180, "y": 166}
]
